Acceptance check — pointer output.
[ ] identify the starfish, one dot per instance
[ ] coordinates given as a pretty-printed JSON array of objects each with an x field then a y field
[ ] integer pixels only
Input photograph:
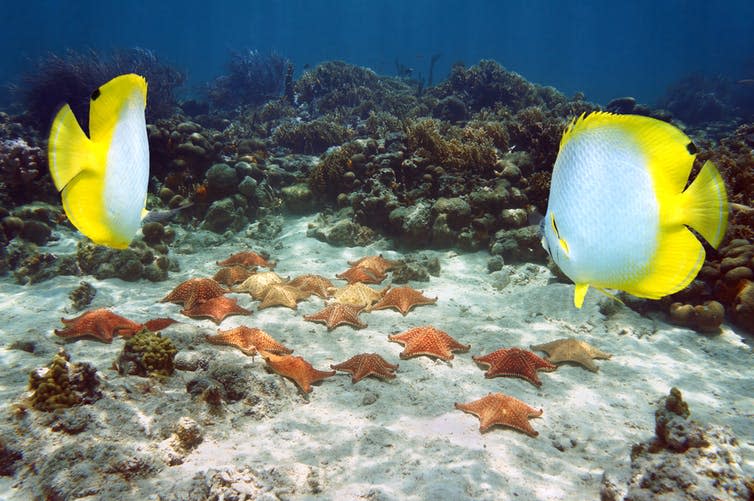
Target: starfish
[
  {"x": 367, "y": 364},
  {"x": 101, "y": 323},
  {"x": 232, "y": 275},
  {"x": 215, "y": 309},
  {"x": 377, "y": 263},
  {"x": 428, "y": 341},
  {"x": 297, "y": 369},
  {"x": 249, "y": 340},
  {"x": 514, "y": 362},
  {"x": 572, "y": 350},
  {"x": 402, "y": 299},
  {"x": 335, "y": 314},
  {"x": 282, "y": 295},
  {"x": 194, "y": 290},
  {"x": 257, "y": 284},
  {"x": 505, "y": 410},
  {"x": 313, "y": 284},
  {"x": 361, "y": 274},
  {"x": 248, "y": 259},
  {"x": 359, "y": 294}
]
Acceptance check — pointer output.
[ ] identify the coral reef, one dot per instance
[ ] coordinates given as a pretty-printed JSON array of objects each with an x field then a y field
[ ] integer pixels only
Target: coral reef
[
  {"x": 72, "y": 77},
  {"x": 131, "y": 264},
  {"x": 82, "y": 296},
  {"x": 685, "y": 460},
  {"x": 63, "y": 384},
  {"x": 253, "y": 78},
  {"x": 147, "y": 354}
]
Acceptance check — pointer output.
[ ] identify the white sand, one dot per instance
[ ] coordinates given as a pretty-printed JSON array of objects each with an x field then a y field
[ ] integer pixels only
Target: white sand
[{"x": 401, "y": 439}]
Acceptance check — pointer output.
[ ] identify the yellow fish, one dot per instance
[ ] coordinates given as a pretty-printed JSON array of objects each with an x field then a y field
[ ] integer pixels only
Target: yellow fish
[
  {"x": 619, "y": 211},
  {"x": 103, "y": 178}
]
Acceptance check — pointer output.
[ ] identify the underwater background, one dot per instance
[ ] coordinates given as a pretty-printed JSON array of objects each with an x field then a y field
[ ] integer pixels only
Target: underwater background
[{"x": 340, "y": 290}]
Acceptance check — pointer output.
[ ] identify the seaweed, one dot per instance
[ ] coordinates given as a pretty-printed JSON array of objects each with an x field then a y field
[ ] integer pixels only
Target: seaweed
[{"x": 72, "y": 77}]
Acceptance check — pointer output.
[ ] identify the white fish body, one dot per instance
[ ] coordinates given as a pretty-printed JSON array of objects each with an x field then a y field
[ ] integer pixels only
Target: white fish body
[{"x": 617, "y": 212}]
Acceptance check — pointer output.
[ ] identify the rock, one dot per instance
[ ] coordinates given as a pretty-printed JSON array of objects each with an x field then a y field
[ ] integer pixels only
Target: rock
[
  {"x": 457, "y": 211},
  {"x": 188, "y": 434},
  {"x": 343, "y": 233},
  {"x": 703, "y": 318},
  {"x": 621, "y": 105},
  {"x": 742, "y": 311},
  {"x": 222, "y": 216},
  {"x": 298, "y": 198},
  {"x": 221, "y": 181},
  {"x": 686, "y": 460},
  {"x": 412, "y": 222},
  {"x": 495, "y": 263},
  {"x": 153, "y": 232},
  {"x": 248, "y": 187},
  {"x": 36, "y": 232},
  {"x": 519, "y": 245},
  {"x": 514, "y": 218},
  {"x": 12, "y": 226}
]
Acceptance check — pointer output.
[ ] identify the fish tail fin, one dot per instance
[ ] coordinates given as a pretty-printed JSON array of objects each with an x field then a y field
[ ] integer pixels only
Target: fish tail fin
[
  {"x": 704, "y": 204},
  {"x": 76, "y": 167},
  {"x": 69, "y": 149}
]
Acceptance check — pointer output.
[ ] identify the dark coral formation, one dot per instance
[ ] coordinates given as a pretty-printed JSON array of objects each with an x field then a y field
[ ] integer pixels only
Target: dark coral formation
[
  {"x": 685, "y": 460},
  {"x": 252, "y": 79},
  {"x": 63, "y": 384},
  {"x": 147, "y": 354}
]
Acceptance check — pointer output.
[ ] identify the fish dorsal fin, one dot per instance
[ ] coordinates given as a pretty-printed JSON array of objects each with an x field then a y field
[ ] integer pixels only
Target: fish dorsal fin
[
  {"x": 668, "y": 150},
  {"x": 69, "y": 150},
  {"x": 107, "y": 103}
]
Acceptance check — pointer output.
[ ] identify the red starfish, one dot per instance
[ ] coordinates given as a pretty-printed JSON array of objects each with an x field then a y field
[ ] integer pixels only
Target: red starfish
[
  {"x": 247, "y": 259},
  {"x": 335, "y": 314},
  {"x": 361, "y": 274},
  {"x": 194, "y": 290},
  {"x": 296, "y": 368},
  {"x": 428, "y": 341},
  {"x": 367, "y": 364},
  {"x": 232, "y": 275},
  {"x": 103, "y": 324},
  {"x": 216, "y": 309},
  {"x": 505, "y": 410},
  {"x": 249, "y": 340},
  {"x": 402, "y": 299},
  {"x": 515, "y": 362}
]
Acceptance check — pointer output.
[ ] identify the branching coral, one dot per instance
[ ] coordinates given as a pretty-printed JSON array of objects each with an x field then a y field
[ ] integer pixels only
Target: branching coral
[
  {"x": 72, "y": 77},
  {"x": 62, "y": 384},
  {"x": 328, "y": 177},
  {"x": 469, "y": 148},
  {"x": 253, "y": 78},
  {"x": 147, "y": 354},
  {"x": 311, "y": 137}
]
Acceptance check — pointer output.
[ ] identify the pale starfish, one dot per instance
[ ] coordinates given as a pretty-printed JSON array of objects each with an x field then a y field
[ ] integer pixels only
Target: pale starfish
[
  {"x": 572, "y": 350},
  {"x": 376, "y": 263},
  {"x": 359, "y": 294},
  {"x": 257, "y": 284},
  {"x": 282, "y": 295},
  {"x": 313, "y": 284}
]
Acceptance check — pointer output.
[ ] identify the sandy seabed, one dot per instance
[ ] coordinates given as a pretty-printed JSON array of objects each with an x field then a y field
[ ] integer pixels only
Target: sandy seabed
[{"x": 401, "y": 439}]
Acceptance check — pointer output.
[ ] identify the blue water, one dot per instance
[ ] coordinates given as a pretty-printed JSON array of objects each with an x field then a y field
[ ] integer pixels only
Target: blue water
[{"x": 605, "y": 49}]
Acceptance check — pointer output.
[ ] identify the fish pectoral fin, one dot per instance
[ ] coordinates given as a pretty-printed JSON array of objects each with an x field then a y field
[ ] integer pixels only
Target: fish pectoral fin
[
  {"x": 610, "y": 295},
  {"x": 579, "y": 293},
  {"x": 69, "y": 150}
]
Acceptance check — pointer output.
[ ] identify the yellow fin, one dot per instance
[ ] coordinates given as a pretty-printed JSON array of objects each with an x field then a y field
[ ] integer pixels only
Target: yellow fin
[
  {"x": 678, "y": 259},
  {"x": 106, "y": 104},
  {"x": 69, "y": 150},
  {"x": 579, "y": 293},
  {"x": 704, "y": 205}
]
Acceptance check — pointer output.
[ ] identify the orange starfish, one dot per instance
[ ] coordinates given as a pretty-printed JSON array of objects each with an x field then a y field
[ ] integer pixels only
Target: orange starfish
[
  {"x": 428, "y": 341},
  {"x": 361, "y": 274},
  {"x": 313, "y": 284},
  {"x": 249, "y": 340},
  {"x": 335, "y": 314},
  {"x": 282, "y": 295},
  {"x": 232, "y": 275},
  {"x": 504, "y": 410},
  {"x": 247, "y": 259},
  {"x": 194, "y": 290},
  {"x": 402, "y": 299},
  {"x": 377, "y": 263},
  {"x": 104, "y": 325},
  {"x": 367, "y": 364},
  {"x": 515, "y": 362},
  {"x": 297, "y": 369},
  {"x": 215, "y": 309}
]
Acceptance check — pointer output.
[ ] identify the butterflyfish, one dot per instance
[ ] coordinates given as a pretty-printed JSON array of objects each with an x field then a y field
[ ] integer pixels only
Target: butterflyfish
[
  {"x": 620, "y": 206},
  {"x": 103, "y": 178}
]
